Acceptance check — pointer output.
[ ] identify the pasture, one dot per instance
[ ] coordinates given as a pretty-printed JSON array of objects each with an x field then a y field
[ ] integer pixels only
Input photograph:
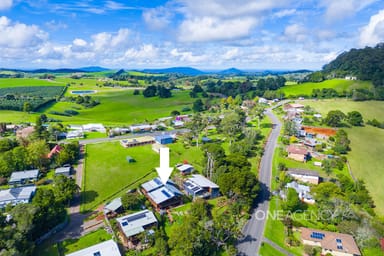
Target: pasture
[
  {"x": 338, "y": 84},
  {"x": 367, "y": 144},
  {"x": 17, "y": 82}
]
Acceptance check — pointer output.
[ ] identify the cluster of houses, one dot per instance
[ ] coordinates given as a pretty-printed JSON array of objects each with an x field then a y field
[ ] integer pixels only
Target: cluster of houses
[
  {"x": 22, "y": 189},
  {"x": 162, "y": 198}
]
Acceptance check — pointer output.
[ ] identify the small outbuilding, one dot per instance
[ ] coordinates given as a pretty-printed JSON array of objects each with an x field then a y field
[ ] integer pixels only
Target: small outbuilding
[
  {"x": 130, "y": 159},
  {"x": 66, "y": 171}
]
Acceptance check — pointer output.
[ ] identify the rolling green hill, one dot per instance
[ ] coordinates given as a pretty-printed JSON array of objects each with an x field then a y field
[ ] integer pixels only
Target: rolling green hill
[{"x": 339, "y": 85}]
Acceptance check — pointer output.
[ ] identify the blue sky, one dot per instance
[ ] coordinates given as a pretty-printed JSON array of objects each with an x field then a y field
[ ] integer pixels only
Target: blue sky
[{"x": 206, "y": 34}]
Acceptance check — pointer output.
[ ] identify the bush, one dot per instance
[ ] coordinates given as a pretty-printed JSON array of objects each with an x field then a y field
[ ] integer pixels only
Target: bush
[{"x": 185, "y": 109}]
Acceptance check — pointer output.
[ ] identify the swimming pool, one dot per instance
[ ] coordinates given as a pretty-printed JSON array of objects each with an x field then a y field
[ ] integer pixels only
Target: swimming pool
[{"x": 83, "y": 91}]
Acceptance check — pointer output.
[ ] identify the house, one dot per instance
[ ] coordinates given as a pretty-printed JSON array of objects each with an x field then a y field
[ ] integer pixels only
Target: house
[
  {"x": 310, "y": 142},
  {"x": 164, "y": 139},
  {"x": 185, "y": 169},
  {"x": 106, "y": 248},
  {"x": 304, "y": 175},
  {"x": 76, "y": 134},
  {"x": 66, "y": 171},
  {"x": 94, "y": 128},
  {"x": 56, "y": 149},
  {"x": 177, "y": 123},
  {"x": 303, "y": 192},
  {"x": 25, "y": 132},
  {"x": 114, "y": 207},
  {"x": 298, "y": 153},
  {"x": 320, "y": 132},
  {"x": 16, "y": 195},
  {"x": 292, "y": 107},
  {"x": 139, "y": 141},
  {"x": 136, "y": 223},
  {"x": 142, "y": 128},
  {"x": 161, "y": 196},
  {"x": 337, "y": 244},
  {"x": 200, "y": 186},
  {"x": 24, "y": 177},
  {"x": 350, "y": 78}
]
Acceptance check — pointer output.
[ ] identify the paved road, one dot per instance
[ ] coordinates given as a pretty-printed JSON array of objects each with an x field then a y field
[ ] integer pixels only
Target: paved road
[
  {"x": 157, "y": 133},
  {"x": 253, "y": 231}
]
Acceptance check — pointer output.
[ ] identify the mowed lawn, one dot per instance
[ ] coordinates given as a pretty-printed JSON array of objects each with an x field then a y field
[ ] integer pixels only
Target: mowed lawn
[
  {"x": 337, "y": 84},
  {"x": 107, "y": 171},
  {"x": 367, "y": 143}
]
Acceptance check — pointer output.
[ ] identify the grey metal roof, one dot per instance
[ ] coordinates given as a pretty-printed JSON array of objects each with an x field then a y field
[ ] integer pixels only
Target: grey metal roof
[
  {"x": 18, "y": 176},
  {"x": 62, "y": 170},
  {"x": 14, "y": 195},
  {"x": 113, "y": 205},
  {"x": 303, "y": 172},
  {"x": 202, "y": 181},
  {"x": 159, "y": 192},
  {"x": 134, "y": 224}
]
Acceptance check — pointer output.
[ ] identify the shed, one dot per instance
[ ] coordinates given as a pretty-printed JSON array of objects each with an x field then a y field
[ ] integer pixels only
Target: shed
[
  {"x": 130, "y": 159},
  {"x": 164, "y": 139}
]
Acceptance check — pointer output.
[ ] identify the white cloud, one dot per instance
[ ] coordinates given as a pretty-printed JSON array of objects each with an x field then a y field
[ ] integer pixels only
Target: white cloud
[
  {"x": 17, "y": 35},
  {"x": 5, "y": 4},
  {"x": 79, "y": 42},
  {"x": 187, "y": 56},
  {"x": 340, "y": 9},
  {"x": 146, "y": 51},
  {"x": 284, "y": 13},
  {"x": 157, "y": 18},
  {"x": 373, "y": 32},
  {"x": 54, "y": 25},
  {"x": 295, "y": 33},
  {"x": 106, "y": 41},
  {"x": 231, "y": 54},
  {"x": 213, "y": 29}
]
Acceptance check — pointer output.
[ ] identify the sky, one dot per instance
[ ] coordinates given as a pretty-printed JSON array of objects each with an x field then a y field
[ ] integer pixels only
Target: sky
[{"x": 205, "y": 34}]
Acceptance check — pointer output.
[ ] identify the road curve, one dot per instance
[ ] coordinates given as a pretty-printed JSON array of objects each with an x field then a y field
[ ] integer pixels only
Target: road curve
[{"x": 254, "y": 229}]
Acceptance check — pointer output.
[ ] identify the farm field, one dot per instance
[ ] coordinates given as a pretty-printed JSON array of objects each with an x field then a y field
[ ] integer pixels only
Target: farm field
[
  {"x": 366, "y": 143},
  {"x": 337, "y": 84},
  {"x": 17, "y": 82}
]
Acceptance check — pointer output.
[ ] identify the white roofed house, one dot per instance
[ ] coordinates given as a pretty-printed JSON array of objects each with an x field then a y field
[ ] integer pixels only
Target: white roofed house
[
  {"x": 200, "y": 186},
  {"x": 16, "y": 195},
  {"x": 94, "y": 128},
  {"x": 303, "y": 192},
  {"x": 185, "y": 169},
  {"x": 133, "y": 224},
  {"x": 162, "y": 196},
  {"x": 107, "y": 248}
]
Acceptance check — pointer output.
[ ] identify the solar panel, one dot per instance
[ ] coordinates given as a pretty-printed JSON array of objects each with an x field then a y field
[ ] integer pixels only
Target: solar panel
[
  {"x": 317, "y": 235},
  {"x": 136, "y": 217},
  {"x": 166, "y": 193},
  {"x": 97, "y": 254},
  {"x": 158, "y": 182},
  {"x": 340, "y": 247},
  {"x": 338, "y": 240},
  {"x": 124, "y": 223}
]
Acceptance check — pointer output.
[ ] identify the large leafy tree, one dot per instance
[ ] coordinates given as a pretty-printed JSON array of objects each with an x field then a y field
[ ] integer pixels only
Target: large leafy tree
[
  {"x": 64, "y": 188},
  {"x": 334, "y": 118},
  {"x": 355, "y": 118}
]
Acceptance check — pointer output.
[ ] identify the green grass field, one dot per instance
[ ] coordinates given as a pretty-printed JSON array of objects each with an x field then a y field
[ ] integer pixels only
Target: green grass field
[
  {"x": 337, "y": 84},
  {"x": 267, "y": 250},
  {"x": 116, "y": 108},
  {"x": 367, "y": 144},
  {"x": 107, "y": 171},
  {"x": 16, "y": 82}
]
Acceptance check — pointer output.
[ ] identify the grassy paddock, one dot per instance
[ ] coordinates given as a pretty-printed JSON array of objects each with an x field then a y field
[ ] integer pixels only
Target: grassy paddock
[
  {"x": 367, "y": 144},
  {"x": 17, "y": 82},
  {"x": 337, "y": 84},
  {"x": 107, "y": 170}
]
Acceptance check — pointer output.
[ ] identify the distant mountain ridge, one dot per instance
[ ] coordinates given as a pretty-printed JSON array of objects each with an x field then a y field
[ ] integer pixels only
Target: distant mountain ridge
[{"x": 176, "y": 70}]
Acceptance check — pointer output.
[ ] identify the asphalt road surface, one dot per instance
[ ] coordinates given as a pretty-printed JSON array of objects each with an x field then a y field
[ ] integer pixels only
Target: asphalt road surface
[{"x": 253, "y": 231}]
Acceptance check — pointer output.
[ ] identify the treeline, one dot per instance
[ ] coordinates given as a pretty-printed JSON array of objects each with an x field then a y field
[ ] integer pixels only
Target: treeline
[
  {"x": 86, "y": 101},
  {"x": 262, "y": 87},
  {"x": 161, "y": 91}
]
